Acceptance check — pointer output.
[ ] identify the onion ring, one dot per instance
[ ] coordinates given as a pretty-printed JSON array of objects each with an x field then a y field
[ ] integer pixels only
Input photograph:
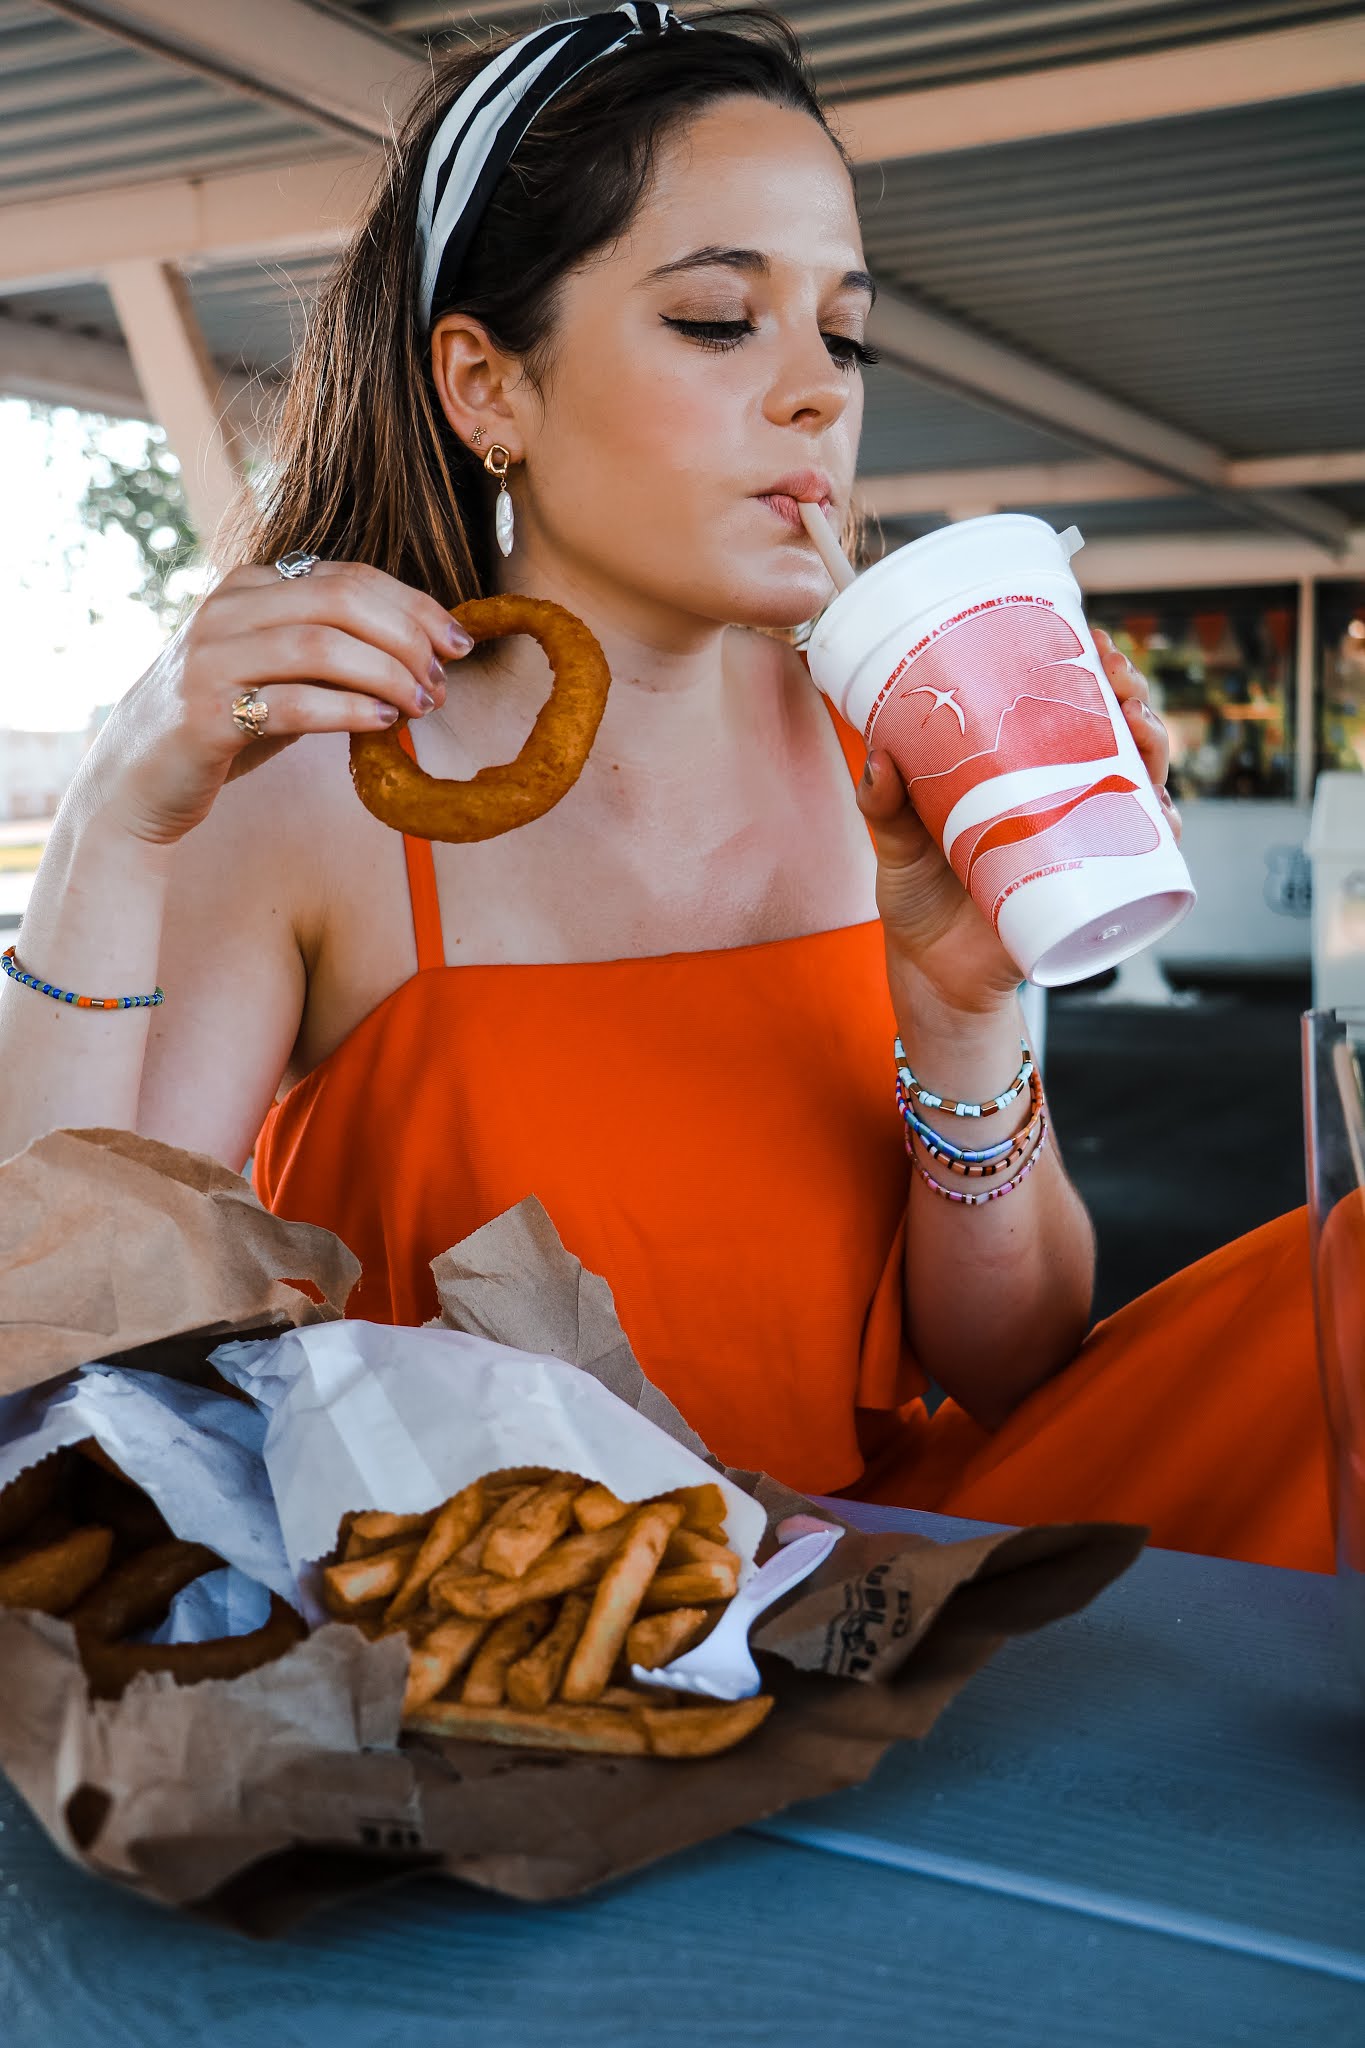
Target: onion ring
[
  {"x": 512, "y": 793},
  {"x": 109, "y": 1667}
]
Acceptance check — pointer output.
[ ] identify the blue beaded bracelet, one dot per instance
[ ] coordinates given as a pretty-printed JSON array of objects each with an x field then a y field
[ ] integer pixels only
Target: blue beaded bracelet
[
  {"x": 66, "y": 995},
  {"x": 962, "y": 1155}
]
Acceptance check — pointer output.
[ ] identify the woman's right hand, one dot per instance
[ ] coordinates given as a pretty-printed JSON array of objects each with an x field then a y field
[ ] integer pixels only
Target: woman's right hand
[{"x": 345, "y": 648}]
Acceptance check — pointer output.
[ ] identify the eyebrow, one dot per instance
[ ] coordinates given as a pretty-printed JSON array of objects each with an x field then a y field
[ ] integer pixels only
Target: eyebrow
[{"x": 752, "y": 261}]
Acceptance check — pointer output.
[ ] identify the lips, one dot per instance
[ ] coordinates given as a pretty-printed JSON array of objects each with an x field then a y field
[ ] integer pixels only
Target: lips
[{"x": 803, "y": 487}]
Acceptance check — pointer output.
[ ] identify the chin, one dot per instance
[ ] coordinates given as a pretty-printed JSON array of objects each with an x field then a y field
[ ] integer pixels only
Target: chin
[{"x": 777, "y": 601}]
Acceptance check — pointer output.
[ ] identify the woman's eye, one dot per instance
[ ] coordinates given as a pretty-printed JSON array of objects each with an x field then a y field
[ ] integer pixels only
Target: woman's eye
[
  {"x": 849, "y": 353},
  {"x": 718, "y": 334},
  {"x": 845, "y": 349}
]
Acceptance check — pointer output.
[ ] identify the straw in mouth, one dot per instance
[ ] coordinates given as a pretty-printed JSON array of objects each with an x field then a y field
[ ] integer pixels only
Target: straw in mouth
[{"x": 826, "y": 545}]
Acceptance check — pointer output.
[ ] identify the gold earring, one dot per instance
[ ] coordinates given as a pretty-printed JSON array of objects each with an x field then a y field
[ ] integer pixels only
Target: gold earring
[
  {"x": 497, "y": 462},
  {"x": 476, "y": 436}
]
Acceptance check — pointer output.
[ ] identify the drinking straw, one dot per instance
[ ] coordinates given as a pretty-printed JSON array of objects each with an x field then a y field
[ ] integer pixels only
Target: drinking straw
[{"x": 826, "y": 545}]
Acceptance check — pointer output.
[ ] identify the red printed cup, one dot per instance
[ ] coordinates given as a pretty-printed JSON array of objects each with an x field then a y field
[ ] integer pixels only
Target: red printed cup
[{"x": 966, "y": 656}]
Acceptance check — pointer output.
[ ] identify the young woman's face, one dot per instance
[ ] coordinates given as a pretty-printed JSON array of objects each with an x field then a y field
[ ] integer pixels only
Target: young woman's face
[{"x": 704, "y": 375}]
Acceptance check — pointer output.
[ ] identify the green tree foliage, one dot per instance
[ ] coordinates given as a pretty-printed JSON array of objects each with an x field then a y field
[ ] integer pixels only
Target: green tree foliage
[{"x": 145, "y": 498}]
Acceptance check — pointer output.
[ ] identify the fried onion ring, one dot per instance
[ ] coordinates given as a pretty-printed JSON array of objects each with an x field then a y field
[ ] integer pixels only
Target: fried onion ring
[
  {"x": 109, "y": 1667},
  {"x": 496, "y": 799}
]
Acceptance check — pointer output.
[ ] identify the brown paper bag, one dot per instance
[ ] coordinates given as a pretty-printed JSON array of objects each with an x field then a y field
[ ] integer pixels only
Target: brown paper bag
[{"x": 254, "y": 1800}]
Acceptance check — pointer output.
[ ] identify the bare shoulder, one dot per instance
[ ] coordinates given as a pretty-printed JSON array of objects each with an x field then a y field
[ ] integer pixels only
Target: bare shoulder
[{"x": 274, "y": 837}]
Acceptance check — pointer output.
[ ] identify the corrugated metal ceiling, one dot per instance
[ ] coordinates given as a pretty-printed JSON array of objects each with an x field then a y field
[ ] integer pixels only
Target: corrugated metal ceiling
[
  {"x": 78, "y": 109},
  {"x": 1208, "y": 270},
  {"x": 868, "y": 46}
]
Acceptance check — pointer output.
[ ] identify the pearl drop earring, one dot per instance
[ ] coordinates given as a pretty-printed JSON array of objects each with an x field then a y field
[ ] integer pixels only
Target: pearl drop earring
[{"x": 497, "y": 462}]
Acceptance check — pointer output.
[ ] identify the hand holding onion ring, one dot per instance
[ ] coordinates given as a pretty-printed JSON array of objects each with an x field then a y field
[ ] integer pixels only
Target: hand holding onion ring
[{"x": 497, "y": 799}]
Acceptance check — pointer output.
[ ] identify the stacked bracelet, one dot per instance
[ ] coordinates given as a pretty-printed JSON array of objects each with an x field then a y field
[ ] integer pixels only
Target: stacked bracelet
[
  {"x": 65, "y": 995},
  {"x": 982, "y": 1163},
  {"x": 1007, "y": 1163},
  {"x": 917, "y": 1091},
  {"x": 991, "y": 1194}
]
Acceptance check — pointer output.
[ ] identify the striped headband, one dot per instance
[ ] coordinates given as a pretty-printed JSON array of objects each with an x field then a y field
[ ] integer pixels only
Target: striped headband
[{"x": 473, "y": 145}]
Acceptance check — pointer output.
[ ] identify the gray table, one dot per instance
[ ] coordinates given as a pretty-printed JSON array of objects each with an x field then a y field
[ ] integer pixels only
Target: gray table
[{"x": 1144, "y": 1825}]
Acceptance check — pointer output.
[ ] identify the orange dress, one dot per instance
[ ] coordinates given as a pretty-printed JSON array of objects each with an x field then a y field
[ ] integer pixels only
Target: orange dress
[{"x": 715, "y": 1132}]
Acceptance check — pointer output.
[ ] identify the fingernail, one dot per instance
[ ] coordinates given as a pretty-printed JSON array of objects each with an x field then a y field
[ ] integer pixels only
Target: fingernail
[
  {"x": 386, "y": 714},
  {"x": 437, "y": 673},
  {"x": 867, "y": 772},
  {"x": 457, "y": 640},
  {"x": 425, "y": 700}
]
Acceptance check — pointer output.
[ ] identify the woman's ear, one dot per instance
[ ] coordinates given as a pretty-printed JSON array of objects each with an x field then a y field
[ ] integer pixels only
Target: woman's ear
[{"x": 473, "y": 379}]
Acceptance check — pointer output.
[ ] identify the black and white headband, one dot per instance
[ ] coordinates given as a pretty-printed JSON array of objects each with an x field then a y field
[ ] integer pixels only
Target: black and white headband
[{"x": 473, "y": 145}]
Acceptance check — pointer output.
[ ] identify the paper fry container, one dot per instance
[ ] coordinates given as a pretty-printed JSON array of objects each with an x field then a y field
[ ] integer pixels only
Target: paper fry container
[
  {"x": 255, "y": 1800},
  {"x": 966, "y": 656}
]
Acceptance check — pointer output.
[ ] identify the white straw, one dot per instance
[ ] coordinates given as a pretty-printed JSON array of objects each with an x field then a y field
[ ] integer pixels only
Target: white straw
[{"x": 826, "y": 545}]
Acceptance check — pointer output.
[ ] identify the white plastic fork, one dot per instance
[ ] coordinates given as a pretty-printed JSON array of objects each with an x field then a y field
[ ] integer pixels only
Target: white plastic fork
[{"x": 721, "y": 1667}]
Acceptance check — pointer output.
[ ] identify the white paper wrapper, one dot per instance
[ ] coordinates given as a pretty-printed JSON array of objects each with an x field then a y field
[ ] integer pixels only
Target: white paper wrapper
[
  {"x": 224, "y": 1603},
  {"x": 365, "y": 1415},
  {"x": 197, "y": 1454}
]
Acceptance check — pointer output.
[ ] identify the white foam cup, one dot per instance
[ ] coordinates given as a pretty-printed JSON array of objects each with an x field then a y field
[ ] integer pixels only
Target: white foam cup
[{"x": 966, "y": 656}]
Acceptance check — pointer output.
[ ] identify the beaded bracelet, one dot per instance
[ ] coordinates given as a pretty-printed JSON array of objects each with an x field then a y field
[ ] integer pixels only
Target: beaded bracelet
[
  {"x": 989, "y": 1171},
  {"x": 66, "y": 995},
  {"x": 926, "y": 1100},
  {"x": 990, "y": 1194},
  {"x": 959, "y": 1155}
]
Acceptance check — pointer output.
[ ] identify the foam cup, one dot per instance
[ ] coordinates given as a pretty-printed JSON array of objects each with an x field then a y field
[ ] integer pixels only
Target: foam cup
[{"x": 966, "y": 657}]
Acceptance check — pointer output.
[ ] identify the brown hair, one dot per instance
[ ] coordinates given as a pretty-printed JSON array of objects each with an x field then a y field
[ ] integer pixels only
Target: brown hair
[{"x": 365, "y": 466}]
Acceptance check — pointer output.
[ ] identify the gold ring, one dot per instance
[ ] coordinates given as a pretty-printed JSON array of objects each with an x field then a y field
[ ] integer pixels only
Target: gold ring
[{"x": 249, "y": 715}]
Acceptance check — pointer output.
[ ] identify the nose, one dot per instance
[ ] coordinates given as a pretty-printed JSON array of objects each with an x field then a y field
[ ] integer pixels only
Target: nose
[{"x": 808, "y": 390}]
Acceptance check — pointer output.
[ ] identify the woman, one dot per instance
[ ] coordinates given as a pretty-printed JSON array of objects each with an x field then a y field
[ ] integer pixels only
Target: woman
[{"x": 621, "y": 260}]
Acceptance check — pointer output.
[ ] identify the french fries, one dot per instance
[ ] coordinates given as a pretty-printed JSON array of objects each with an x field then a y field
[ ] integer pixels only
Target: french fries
[
  {"x": 354, "y": 1584},
  {"x": 527, "y": 1598},
  {"x": 439, "y": 1655},
  {"x": 690, "y": 1585},
  {"x": 686, "y": 1546},
  {"x": 623, "y": 1586},
  {"x": 597, "y": 1508},
  {"x": 506, "y": 1642},
  {"x": 451, "y": 1527},
  {"x": 513, "y": 1547},
  {"x": 534, "y": 1679},
  {"x": 573, "y": 1562},
  {"x": 659, "y": 1638}
]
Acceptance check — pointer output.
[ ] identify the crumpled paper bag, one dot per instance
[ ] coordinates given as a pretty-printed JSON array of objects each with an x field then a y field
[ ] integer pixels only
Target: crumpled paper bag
[
  {"x": 254, "y": 1800},
  {"x": 109, "y": 1242}
]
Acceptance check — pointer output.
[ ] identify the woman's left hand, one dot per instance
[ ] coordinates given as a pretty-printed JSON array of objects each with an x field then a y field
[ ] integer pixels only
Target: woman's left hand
[{"x": 931, "y": 924}]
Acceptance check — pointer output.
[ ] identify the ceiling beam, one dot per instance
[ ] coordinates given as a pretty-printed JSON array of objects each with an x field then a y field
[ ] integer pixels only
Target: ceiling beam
[
  {"x": 1189, "y": 561},
  {"x": 954, "y": 357},
  {"x": 1270, "y": 472},
  {"x": 332, "y": 68},
  {"x": 56, "y": 367},
  {"x": 1108, "y": 92},
  {"x": 274, "y": 212},
  {"x": 917, "y": 491}
]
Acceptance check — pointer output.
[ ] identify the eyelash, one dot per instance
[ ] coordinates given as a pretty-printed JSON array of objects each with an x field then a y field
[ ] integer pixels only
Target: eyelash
[{"x": 722, "y": 335}]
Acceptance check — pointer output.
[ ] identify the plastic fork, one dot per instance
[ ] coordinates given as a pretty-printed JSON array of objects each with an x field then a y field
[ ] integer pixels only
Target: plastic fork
[{"x": 721, "y": 1667}]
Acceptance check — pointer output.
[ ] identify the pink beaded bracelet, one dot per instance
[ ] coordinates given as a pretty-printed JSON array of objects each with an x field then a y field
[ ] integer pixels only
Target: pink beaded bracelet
[{"x": 990, "y": 1194}]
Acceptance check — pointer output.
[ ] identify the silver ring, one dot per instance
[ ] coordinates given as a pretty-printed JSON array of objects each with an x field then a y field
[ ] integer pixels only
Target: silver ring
[
  {"x": 249, "y": 715},
  {"x": 298, "y": 563}
]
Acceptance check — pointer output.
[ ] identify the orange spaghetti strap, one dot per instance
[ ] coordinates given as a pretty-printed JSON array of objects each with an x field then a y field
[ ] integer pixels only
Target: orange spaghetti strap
[{"x": 426, "y": 907}]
